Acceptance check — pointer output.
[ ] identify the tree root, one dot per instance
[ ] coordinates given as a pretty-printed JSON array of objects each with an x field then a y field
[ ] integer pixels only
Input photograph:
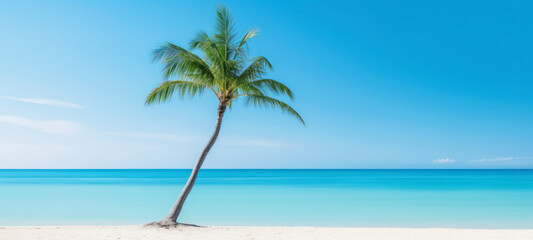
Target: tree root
[{"x": 167, "y": 223}]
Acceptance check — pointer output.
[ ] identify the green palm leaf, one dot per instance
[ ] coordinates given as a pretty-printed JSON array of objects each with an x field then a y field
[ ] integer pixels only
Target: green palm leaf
[
  {"x": 270, "y": 85},
  {"x": 265, "y": 101},
  {"x": 165, "y": 91},
  {"x": 242, "y": 49},
  {"x": 182, "y": 63},
  {"x": 258, "y": 67}
]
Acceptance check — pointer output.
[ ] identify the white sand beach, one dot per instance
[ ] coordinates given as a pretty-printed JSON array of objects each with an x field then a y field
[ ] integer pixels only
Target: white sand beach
[{"x": 256, "y": 233}]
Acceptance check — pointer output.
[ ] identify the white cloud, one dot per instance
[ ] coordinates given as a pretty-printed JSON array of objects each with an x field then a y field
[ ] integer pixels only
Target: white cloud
[
  {"x": 45, "y": 101},
  {"x": 59, "y": 127},
  {"x": 171, "y": 137},
  {"x": 499, "y": 159},
  {"x": 443, "y": 161},
  {"x": 156, "y": 136},
  {"x": 502, "y": 159},
  {"x": 30, "y": 155}
]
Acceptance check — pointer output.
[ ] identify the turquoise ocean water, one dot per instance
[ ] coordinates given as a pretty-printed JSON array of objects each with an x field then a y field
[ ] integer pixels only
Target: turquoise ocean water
[{"x": 342, "y": 198}]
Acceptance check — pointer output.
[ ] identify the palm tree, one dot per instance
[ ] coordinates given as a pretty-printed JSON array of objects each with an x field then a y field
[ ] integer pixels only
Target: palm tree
[{"x": 224, "y": 69}]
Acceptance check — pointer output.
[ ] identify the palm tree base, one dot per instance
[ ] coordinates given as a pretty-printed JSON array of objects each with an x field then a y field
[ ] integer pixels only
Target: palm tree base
[{"x": 167, "y": 223}]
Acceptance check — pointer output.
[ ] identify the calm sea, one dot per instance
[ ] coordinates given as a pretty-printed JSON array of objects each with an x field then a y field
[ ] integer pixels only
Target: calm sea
[{"x": 343, "y": 198}]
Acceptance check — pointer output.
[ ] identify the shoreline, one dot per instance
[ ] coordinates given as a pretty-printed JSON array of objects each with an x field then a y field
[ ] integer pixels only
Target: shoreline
[{"x": 139, "y": 232}]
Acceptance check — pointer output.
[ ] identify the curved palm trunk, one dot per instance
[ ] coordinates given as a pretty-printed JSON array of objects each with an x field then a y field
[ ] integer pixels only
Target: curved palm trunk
[{"x": 176, "y": 208}]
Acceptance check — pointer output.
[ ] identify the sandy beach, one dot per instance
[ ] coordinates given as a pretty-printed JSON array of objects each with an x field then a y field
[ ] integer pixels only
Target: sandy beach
[{"x": 256, "y": 233}]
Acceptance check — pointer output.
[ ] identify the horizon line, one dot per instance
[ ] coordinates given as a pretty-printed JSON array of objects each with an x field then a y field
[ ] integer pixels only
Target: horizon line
[{"x": 267, "y": 169}]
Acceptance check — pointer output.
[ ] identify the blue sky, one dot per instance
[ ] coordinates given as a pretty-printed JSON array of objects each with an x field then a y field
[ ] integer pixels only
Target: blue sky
[{"x": 381, "y": 84}]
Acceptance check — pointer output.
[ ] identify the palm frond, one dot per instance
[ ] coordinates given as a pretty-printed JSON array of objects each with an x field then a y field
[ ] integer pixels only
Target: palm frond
[
  {"x": 255, "y": 70},
  {"x": 265, "y": 101},
  {"x": 224, "y": 35},
  {"x": 214, "y": 55},
  {"x": 242, "y": 49},
  {"x": 246, "y": 89},
  {"x": 270, "y": 85},
  {"x": 182, "y": 63},
  {"x": 203, "y": 42},
  {"x": 183, "y": 88}
]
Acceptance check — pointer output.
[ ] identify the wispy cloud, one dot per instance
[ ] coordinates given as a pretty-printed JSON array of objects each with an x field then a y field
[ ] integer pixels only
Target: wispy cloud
[
  {"x": 45, "y": 101},
  {"x": 501, "y": 159},
  {"x": 156, "y": 136},
  {"x": 443, "y": 161},
  {"x": 59, "y": 127},
  {"x": 172, "y": 137}
]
